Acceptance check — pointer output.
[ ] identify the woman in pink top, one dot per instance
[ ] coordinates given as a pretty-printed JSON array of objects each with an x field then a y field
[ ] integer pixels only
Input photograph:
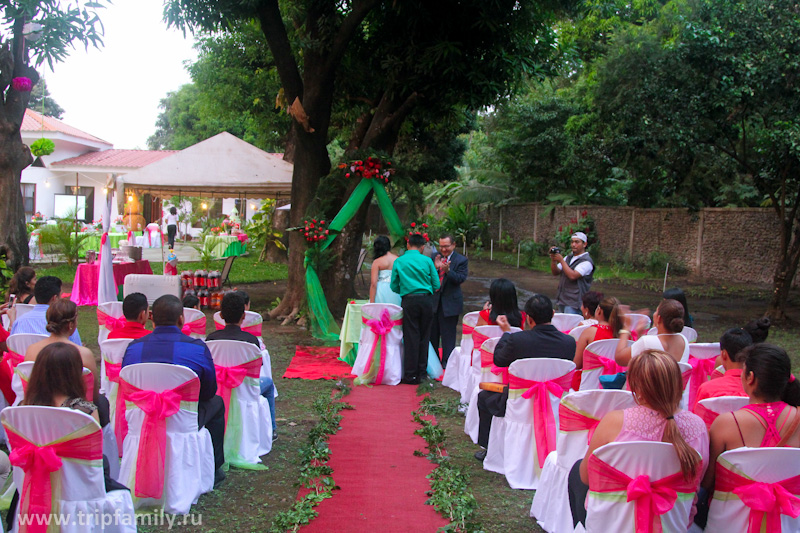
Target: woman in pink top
[{"x": 655, "y": 380}]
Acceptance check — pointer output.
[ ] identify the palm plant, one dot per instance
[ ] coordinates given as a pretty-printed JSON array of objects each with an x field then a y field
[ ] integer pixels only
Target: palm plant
[{"x": 63, "y": 238}]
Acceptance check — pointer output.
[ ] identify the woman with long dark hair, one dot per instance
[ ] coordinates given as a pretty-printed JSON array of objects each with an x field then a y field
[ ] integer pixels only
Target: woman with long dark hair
[
  {"x": 668, "y": 320},
  {"x": 502, "y": 301},
  {"x": 22, "y": 284},
  {"x": 171, "y": 220},
  {"x": 609, "y": 324},
  {"x": 381, "y": 273}
]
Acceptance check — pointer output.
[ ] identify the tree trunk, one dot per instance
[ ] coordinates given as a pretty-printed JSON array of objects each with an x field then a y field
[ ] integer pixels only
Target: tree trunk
[
  {"x": 14, "y": 156},
  {"x": 785, "y": 273}
]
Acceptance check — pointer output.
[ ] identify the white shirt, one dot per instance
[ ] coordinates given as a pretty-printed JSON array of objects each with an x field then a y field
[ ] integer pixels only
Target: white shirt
[
  {"x": 584, "y": 269},
  {"x": 171, "y": 220}
]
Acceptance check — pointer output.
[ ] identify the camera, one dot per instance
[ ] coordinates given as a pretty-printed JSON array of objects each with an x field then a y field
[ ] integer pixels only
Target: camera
[{"x": 555, "y": 250}]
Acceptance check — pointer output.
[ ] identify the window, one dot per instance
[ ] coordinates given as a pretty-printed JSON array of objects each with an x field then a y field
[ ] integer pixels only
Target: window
[
  {"x": 28, "y": 199},
  {"x": 88, "y": 192}
]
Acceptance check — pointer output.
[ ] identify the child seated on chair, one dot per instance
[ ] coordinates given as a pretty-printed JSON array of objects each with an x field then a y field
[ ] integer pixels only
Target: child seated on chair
[{"x": 731, "y": 344}]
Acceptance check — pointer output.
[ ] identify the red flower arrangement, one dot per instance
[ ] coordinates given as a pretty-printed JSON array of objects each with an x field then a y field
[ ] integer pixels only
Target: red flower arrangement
[
  {"x": 370, "y": 168},
  {"x": 315, "y": 231},
  {"x": 416, "y": 231},
  {"x": 22, "y": 84}
]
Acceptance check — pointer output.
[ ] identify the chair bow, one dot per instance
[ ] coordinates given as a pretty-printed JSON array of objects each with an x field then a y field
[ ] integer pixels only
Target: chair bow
[
  {"x": 111, "y": 323},
  {"x": 157, "y": 407},
  {"x": 591, "y": 361},
  {"x": 231, "y": 377},
  {"x": 701, "y": 370},
  {"x": 651, "y": 498},
  {"x": 195, "y": 326},
  {"x": 38, "y": 462},
  {"x": 571, "y": 420},
  {"x": 380, "y": 327},
  {"x": 104, "y": 238},
  {"x": 766, "y": 501},
  {"x": 544, "y": 423}
]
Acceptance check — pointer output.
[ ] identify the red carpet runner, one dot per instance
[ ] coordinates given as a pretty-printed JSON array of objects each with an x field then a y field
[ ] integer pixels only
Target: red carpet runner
[
  {"x": 317, "y": 362},
  {"x": 382, "y": 483}
]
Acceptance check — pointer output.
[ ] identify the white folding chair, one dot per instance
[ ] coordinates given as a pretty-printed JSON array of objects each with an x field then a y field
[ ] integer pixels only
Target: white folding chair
[
  {"x": 19, "y": 342},
  {"x": 578, "y": 416},
  {"x": 689, "y": 333},
  {"x": 151, "y": 237},
  {"x": 460, "y": 360},
  {"x": 609, "y": 510},
  {"x": 479, "y": 335},
  {"x": 111, "y": 353},
  {"x": 194, "y": 323},
  {"x": 702, "y": 356},
  {"x": 514, "y": 448},
  {"x": 598, "y": 360},
  {"x": 189, "y": 455},
  {"x": 564, "y": 322},
  {"x": 576, "y": 332},
  {"x": 106, "y": 311},
  {"x": 472, "y": 420},
  {"x": 368, "y": 365},
  {"x": 710, "y": 408},
  {"x": 254, "y": 321},
  {"x": 743, "y": 467},
  {"x": 152, "y": 286},
  {"x": 248, "y": 429},
  {"x": 17, "y": 311},
  {"x": 82, "y": 493}
]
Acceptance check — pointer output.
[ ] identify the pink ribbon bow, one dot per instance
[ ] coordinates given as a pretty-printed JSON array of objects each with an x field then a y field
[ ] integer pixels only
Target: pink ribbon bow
[
  {"x": 111, "y": 323},
  {"x": 380, "y": 327},
  {"x": 157, "y": 407},
  {"x": 544, "y": 423},
  {"x": 103, "y": 239},
  {"x": 591, "y": 361},
  {"x": 766, "y": 501},
  {"x": 701, "y": 370},
  {"x": 195, "y": 326},
  {"x": 38, "y": 462},
  {"x": 651, "y": 498},
  {"x": 230, "y": 377}
]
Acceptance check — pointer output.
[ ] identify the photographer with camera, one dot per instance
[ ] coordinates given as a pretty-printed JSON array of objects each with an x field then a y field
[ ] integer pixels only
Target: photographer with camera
[{"x": 575, "y": 273}]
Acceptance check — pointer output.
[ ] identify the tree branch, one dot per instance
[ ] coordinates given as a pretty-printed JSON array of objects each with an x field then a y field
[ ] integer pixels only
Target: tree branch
[
  {"x": 345, "y": 34},
  {"x": 269, "y": 15}
]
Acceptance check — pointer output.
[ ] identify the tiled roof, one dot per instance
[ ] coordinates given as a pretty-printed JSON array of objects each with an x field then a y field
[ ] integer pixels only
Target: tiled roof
[
  {"x": 116, "y": 158},
  {"x": 34, "y": 121}
]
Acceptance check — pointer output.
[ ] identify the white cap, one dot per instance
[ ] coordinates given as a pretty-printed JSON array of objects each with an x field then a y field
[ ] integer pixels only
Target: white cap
[{"x": 579, "y": 235}]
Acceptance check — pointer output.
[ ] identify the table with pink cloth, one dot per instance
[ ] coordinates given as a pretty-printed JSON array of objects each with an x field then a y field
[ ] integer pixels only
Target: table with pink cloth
[{"x": 84, "y": 288}]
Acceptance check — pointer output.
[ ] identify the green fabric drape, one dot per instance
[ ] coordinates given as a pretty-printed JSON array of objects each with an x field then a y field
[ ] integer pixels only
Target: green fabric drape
[{"x": 323, "y": 325}]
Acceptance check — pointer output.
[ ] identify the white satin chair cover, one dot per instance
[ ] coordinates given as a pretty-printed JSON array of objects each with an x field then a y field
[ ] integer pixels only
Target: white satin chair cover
[
  {"x": 19, "y": 342},
  {"x": 14, "y": 313},
  {"x": 576, "y": 332},
  {"x": 155, "y": 237},
  {"x": 550, "y": 505},
  {"x": 655, "y": 459},
  {"x": 83, "y": 493},
  {"x": 512, "y": 446},
  {"x": 704, "y": 350},
  {"x": 460, "y": 361},
  {"x": 720, "y": 405},
  {"x": 254, "y": 438},
  {"x": 636, "y": 319},
  {"x": 472, "y": 419},
  {"x": 111, "y": 351},
  {"x": 190, "y": 315},
  {"x": 564, "y": 322},
  {"x": 689, "y": 333},
  {"x": 251, "y": 318},
  {"x": 765, "y": 465},
  {"x": 685, "y": 367},
  {"x": 473, "y": 378},
  {"x": 113, "y": 309},
  {"x": 590, "y": 379},
  {"x": 393, "y": 366},
  {"x": 189, "y": 461}
]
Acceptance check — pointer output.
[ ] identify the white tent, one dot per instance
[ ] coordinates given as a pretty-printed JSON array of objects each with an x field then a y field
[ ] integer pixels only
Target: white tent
[{"x": 221, "y": 166}]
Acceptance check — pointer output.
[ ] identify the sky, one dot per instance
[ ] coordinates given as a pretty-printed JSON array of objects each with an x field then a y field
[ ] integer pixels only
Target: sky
[{"x": 113, "y": 93}]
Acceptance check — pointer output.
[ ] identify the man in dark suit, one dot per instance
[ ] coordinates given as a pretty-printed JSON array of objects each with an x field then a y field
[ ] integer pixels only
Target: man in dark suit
[
  {"x": 539, "y": 339},
  {"x": 448, "y": 300}
]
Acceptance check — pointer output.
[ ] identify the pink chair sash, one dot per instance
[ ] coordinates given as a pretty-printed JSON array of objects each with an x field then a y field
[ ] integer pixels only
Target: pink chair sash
[
  {"x": 12, "y": 359},
  {"x": 38, "y": 462},
  {"x": 88, "y": 383},
  {"x": 195, "y": 326},
  {"x": 230, "y": 377},
  {"x": 467, "y": 329},
  {"x": 157, "y": 407},
  {"x": 686, "y": 375},
  {"x": 111, "y": 323},
  {"x": 255, "y": 329},
  {"x": 705, "y": 413},
  {"x": 130, "y": 238},
  {"x": 149, "y": 232},
  {"x": 380, "y": 327},
  {"x": 766, "y": 501},
  {"x": 652, "y": 498},
  {"x": 544, "y": 423},
  {"x": 569, "y": 420},
  {"x": 478, "y": 339},
  {"x": 591, "y": 361},
  {"x": 701, "y": 370},
  {"x": 120, "y": 423}
]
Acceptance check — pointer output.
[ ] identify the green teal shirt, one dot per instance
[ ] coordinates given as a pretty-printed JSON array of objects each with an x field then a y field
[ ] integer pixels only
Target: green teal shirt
[{"x": 413, "y": 272}]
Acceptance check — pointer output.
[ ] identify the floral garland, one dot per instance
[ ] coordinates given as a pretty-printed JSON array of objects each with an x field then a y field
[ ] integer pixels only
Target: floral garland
[
  {"x": 370, "y": 168},
  {"x": 315, "y": 231},
  {"x": 416, "y": 231},
  {"x": 22, "y": 84}
]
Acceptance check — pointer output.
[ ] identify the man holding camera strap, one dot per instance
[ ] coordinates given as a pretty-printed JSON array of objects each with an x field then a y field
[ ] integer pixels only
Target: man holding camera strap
[{"x": 576, "y": 274}]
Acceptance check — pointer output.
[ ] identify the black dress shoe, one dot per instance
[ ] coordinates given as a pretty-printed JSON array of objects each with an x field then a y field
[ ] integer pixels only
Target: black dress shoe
[
  {"x": 480, "y": 455},
  {"x": 219, "y": 477},
  {"x": 409, "y": 381}
]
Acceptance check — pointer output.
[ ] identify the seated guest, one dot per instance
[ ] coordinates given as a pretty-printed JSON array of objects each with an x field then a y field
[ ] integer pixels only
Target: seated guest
[
  {"x": 731, "y": 345},
  {"x": 502, "y": 301},
  {"x": 57, "y": 381},
  {"x": 62, "y": 320},
  {"x": 167, "y": 344},
  {"x": 191, "y": 301},
  {"x": 677, "y": 294},
  {"x": 246, "y": 297},
  {"x": 232, "y": 312},
  {"x": 655, "y": 380},
  {"x": 758, "y": 329},
  {"x": 47, "y": 290},
  {"x": 668, "y": 320},
  {"x": 134, "y": 308},
  {"x": 608, "y": 321},
  {"x": 22, "y": 285},
  {"x": 589, "y": 304},
  {"x": 540, "y": 339}
]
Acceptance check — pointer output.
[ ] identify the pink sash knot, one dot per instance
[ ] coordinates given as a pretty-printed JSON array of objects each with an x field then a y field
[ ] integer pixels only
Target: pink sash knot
[
  {"x": 381, "y": 327},
  {"x": 231, "y": 377},
  {"x": 195, "y": 326},
  {"x": 701, "y": 370}
]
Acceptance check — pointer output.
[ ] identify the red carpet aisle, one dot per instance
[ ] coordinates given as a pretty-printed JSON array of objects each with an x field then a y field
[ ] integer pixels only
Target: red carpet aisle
[
  {"x": 317, "y": 362},
  {"x": 382, "y": 483}
]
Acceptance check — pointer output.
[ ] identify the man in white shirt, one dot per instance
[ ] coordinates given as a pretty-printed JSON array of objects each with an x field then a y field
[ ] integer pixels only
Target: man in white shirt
[{"x": 575, "y": 273}]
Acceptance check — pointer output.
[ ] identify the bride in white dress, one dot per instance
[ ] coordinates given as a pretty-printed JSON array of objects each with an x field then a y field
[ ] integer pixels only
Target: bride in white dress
[{"x": 381, "y": 273}]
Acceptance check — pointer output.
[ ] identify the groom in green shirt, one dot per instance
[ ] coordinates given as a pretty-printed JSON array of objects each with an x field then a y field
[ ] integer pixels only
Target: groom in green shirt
[{"x": 415, "y": 279}]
